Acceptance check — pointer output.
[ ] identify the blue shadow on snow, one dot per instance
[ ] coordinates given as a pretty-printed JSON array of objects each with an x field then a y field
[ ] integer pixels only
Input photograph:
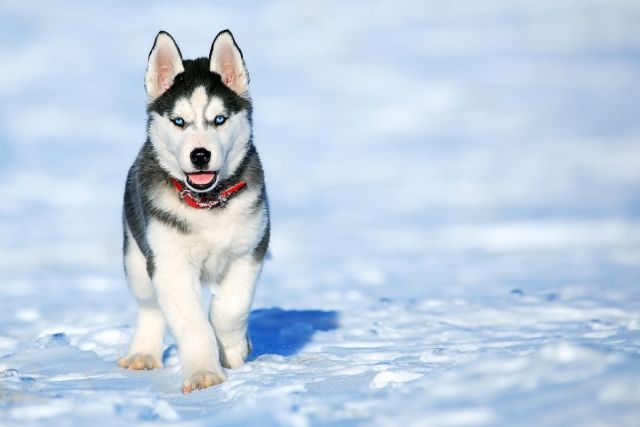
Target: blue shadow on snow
[{"x": 285, "y": 332}]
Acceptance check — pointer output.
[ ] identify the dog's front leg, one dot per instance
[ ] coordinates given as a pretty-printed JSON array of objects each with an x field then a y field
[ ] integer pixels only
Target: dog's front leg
[
  {"x": 145, "y": 351},
  {"x": 177, "y": 285},
  {"x": 230, "y": 308}
]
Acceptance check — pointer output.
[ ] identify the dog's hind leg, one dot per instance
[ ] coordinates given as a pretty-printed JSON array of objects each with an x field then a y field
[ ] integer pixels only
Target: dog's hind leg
[
  {"x": 146, "y": 347},
  {"x": 230, "y": 309}
]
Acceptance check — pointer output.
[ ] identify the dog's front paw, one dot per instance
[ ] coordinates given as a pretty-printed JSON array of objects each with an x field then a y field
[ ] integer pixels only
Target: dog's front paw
[
  {"x": 201, "y": 380},
  {"x": 139, "y": 362},
  {"x": 234, "y": 357}
]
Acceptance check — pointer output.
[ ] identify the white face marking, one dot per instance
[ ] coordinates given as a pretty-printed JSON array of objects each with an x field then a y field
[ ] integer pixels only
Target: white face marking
[
  {"x": 214, "y": 108},
  {"x": 227, "y": 143}
]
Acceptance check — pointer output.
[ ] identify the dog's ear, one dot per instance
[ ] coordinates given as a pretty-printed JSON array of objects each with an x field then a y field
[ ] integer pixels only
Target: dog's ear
[
  {"x": 165, "y": 62},
  {"x": 225, "y": 59}
]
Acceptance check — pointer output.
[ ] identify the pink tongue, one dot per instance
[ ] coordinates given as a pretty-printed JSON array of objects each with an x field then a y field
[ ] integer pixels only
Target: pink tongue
[{"x": 201, "y": 178}]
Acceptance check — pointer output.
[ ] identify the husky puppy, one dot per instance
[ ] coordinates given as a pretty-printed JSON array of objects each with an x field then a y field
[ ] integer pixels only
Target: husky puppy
[{"x": 195, "y": 213}]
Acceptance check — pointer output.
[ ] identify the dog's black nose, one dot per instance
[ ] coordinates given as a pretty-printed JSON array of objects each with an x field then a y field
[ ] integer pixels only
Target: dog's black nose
[{"x": 200, "y": 157}]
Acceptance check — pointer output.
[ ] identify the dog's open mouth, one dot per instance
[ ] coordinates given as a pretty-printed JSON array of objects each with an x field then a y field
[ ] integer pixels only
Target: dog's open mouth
[{"x": 201, "y": 181}]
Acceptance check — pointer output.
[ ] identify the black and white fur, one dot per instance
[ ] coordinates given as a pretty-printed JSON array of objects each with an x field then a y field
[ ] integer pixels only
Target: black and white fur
[{"x": 171, "y": 250}]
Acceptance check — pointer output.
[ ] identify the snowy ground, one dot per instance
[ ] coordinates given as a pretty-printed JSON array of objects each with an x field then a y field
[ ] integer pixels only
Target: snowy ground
[{"x": 456, "y": 213}]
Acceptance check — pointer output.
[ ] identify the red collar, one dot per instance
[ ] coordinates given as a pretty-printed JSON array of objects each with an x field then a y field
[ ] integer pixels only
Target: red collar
[{"x": 207, "y": 202}]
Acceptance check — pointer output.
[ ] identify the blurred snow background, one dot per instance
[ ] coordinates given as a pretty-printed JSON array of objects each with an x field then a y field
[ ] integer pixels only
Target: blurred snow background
[{"x": 455, "y": 204}]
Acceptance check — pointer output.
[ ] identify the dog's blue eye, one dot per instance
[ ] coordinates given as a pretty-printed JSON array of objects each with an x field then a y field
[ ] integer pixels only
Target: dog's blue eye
[
  {"x": 219, "y": 119},
  {"x": 178, "y": 121}
]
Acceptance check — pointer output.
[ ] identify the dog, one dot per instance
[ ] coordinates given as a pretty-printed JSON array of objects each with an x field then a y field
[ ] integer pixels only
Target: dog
[{"x": 195, "y": 213}]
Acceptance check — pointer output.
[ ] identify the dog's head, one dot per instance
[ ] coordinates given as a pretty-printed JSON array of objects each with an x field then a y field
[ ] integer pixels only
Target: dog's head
[{"x": 199, "y": 110}]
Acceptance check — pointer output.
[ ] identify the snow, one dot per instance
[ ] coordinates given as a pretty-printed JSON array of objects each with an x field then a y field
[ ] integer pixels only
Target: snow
[{"x": 455, "y": 206}]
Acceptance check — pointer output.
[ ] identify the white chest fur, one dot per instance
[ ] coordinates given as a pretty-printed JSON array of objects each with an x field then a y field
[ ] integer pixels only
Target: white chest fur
[{"x": 215, "y": 237}]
